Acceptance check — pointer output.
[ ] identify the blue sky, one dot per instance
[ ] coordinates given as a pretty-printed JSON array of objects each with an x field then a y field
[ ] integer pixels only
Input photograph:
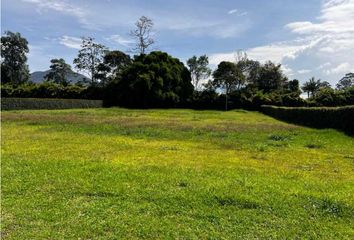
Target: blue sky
[{"x": 308, "y": 37}]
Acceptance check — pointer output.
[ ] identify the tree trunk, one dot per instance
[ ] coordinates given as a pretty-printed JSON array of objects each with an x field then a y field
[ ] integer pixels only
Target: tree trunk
[{"x": 226, "y": 92}]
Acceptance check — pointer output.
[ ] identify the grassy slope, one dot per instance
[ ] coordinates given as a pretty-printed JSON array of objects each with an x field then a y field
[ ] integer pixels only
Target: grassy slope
[{"x": 115, "y": 173}]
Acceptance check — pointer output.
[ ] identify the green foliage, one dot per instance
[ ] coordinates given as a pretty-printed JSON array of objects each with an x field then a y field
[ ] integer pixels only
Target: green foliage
[
  {"x": 51, "y": 90},
  {"x": 42, "y": 103},
  {"x": 58, "y": 72},
  {"x": 228, "y": 76},
  {"x": 270, "y": 77},
  {"x": 90, "y": 56},
  {"x": 312, "y": 86},
  {"x": 14, "y": 69},
  {"x": 114, "y": 62},
  {"x": 159, "y": 80},
  {"x": 346, "y": 82},
  {"x": 325, "y": 117},
  {"x": 199, "y": 69},
  {"x": 152, "y": 80}
]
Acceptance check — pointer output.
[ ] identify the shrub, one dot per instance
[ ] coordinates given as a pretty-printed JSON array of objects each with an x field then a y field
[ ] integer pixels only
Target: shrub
[
  {"x": 51, "y": 90},
  {"x": 152, "y": 80},
  {"x": 320, "y": 117}
]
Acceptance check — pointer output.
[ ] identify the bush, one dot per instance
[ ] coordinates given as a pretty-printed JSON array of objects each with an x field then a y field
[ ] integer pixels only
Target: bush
[
  {"x": 43, "y": 103},
  {"x": 51, "y": 90},
  {"x": 341, "y": 118},
  {"x": 152, "y": 80}
]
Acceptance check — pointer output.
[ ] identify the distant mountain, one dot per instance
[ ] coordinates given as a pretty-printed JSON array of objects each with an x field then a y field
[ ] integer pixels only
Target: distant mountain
[{"x": 38, "y": 77}]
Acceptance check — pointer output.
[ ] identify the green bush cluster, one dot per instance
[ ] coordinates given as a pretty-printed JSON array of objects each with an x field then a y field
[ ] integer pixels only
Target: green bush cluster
[
  {"x": 319, "y": 117},
  {"x": 330, "y": 97},
  {"x": 51, "y": 90},
  {"x": 245, "y": 98},
  {"x": 44, "y": 103}
]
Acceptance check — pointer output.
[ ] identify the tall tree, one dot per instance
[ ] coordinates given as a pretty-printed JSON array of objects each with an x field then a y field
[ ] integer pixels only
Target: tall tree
[
  {"x": 114, "y": 62},
  {"x": 346, "y": 82},
  {"x": 14, "y": 48},
  {"x": 143, "y": 35},
  {"x": 152, "y": 80},
  {"x": 229, "y": 77},
  {"x": 251, "y": 70},
  {"x": 199, "y": 69},
  {"x": 312, "y": 86},
  {"x": 293, "y": 86},
  {"x": 89, "y": 57},
  {"x": 59, "y": 71},
  {"x": 270, "y": 77}
]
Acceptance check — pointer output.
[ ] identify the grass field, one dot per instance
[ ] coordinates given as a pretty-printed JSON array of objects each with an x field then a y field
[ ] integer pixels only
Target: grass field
[{"x": 172, "y": 174}]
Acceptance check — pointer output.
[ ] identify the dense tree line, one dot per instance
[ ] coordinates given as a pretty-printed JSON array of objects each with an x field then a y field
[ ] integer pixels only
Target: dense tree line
[{"x": 156, "y": 79}]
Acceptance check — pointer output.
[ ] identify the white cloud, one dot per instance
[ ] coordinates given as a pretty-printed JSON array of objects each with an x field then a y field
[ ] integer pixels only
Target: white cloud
[
  {"x": 276, "y": 52},
  {"x": 215, "y": 29},
  {"x": 319, "y": 45},
  {"x": 324, "y": 65},
  {"x": 219, "y": 28},
  {"x": 237, "y": 12},
  {"x": 64, "y": 7},
  {"x": 303, "y": 71},
  {"x": 341, "y": 68},
  {"x": 126, "y": 42},
  {"x": 70, "y": 42}
]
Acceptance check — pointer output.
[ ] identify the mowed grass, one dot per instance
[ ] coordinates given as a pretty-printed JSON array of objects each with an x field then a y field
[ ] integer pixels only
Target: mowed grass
[{"x": 172, "y": 174}]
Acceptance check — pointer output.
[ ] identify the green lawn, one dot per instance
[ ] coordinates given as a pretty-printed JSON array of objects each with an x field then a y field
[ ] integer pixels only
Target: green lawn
[{"x": 172, "y": 174}]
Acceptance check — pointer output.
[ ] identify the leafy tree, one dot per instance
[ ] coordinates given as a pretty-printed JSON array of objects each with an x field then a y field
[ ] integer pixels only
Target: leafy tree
[
  {"x": 326, "y": 96},
  {"x": 89, "y": 58},
  {"x": 152, "y": 80},
  {"x": 346, "y": 82},
  {"x": 312, "y": 86},
  {"x": 114, "y": 62},
  {"x": 199, "y": 69},
  {"x": 14, "y": 48},
  {"x": 270, "y": 77},
  {"x": 143, "y": 35},
  {"x": 250, "y": 70},
  {"x": 325, "y": 84},
  {"x": 293, "y": 87},
  {"x": 59, "y": 70},
  {"x": 229, "y": 77}
]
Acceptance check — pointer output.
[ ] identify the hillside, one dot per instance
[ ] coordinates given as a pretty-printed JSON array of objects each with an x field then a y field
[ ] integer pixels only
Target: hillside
[{"x": 38, "y": 77}]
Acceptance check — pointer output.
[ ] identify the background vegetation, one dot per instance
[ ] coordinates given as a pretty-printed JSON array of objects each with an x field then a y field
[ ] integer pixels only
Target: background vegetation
[{"x": 151, "y": 79}]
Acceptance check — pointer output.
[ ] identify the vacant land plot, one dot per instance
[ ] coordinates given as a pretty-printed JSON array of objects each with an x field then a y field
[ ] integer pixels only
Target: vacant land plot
[{"x": 157, "y": 174}]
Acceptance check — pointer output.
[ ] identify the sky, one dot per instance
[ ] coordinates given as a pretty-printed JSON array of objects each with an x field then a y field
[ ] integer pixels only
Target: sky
[{"x": 308, "y": 37}]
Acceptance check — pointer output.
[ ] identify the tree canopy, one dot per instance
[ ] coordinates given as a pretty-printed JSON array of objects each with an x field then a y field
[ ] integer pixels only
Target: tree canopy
[
  {"x": 153, "y": 80},
  {"x": 198, "y": 66},
  {"x": 90, "y": 56},
  {"x": 229, "y": 77},
  {"x": 59, "y": 70},
  {"x": 14, "y": 68},
  {"x": 346, "y": 82}
]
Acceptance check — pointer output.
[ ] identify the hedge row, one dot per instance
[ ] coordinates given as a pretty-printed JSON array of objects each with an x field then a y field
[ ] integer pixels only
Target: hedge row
[
  {"x": 341, "y": 118},
  {"x": 45, "y": 103}
]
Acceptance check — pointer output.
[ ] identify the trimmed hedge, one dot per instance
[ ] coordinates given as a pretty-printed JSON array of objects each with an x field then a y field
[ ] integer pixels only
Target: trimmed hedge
[
  {"x": 45, "y": 103},
  {"x": 341, "y": 118}
]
